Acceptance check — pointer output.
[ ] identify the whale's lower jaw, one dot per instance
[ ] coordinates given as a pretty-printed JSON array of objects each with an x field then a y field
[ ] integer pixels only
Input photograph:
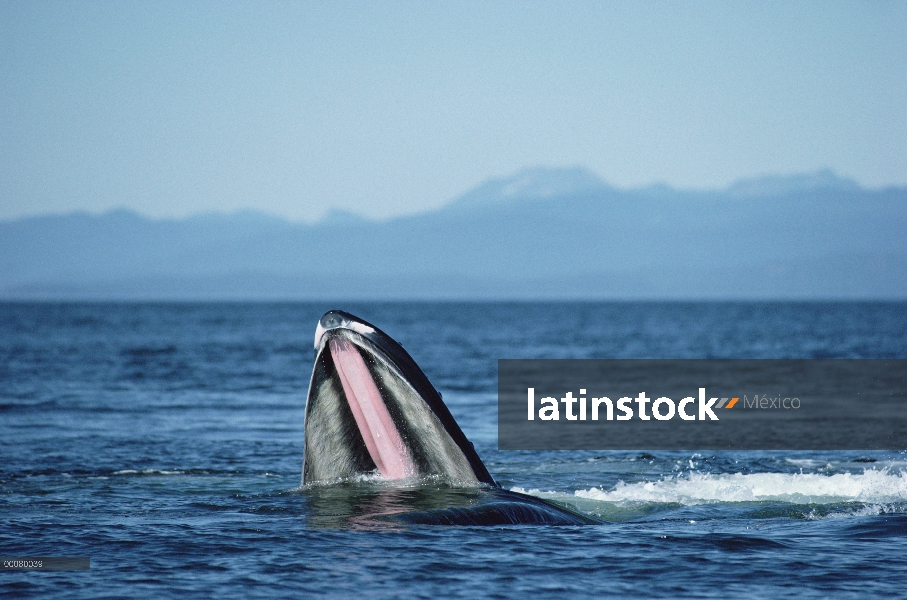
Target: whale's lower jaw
[
  {"x": 371, "y": 506},
  {"x": 509, "y": 509},
  {"x": 372, "y": 412},
  {"x": 495, "y": 514}
]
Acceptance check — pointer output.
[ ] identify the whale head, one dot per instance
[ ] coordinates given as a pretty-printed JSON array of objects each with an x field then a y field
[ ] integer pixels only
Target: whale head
[{"x": 372, "y": 411}]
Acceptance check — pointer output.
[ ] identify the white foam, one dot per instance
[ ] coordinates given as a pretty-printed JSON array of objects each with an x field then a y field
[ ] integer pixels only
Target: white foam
[{"x": 870, "y": 487}]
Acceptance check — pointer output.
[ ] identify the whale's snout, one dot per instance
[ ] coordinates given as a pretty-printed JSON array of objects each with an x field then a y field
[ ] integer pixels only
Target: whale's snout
[{"x": 338, "y": 319}]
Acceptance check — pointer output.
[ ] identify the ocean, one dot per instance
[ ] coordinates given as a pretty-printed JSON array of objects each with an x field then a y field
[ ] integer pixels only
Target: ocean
[{"x": 165, "y": 442}]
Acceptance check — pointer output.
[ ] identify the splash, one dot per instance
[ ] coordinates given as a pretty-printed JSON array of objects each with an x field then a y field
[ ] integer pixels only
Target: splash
[{"x": 870, "y": 487}]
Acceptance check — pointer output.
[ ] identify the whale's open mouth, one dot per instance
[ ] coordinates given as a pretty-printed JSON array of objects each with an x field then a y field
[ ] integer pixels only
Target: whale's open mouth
[{"x": 371, "y": 411}]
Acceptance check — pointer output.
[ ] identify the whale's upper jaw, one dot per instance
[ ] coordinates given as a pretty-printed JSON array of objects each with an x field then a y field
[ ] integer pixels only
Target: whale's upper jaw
[
  {"x": 371, "y": 410},
  {"x": 337, "y": 319}
]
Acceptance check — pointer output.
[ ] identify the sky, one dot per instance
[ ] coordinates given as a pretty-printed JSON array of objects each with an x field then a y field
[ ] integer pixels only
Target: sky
[{"x": 392, "y": 108}]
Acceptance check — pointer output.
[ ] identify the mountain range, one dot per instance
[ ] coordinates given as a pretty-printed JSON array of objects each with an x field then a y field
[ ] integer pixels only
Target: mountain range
[{"x": 539, "y": 234}]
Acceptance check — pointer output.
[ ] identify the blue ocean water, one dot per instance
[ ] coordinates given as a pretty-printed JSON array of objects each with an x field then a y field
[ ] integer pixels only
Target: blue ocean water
[{"x": 165, "y": 442}]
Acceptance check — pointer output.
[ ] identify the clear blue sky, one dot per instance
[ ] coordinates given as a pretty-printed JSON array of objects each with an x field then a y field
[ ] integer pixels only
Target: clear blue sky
[{"x": 387, "y": 108}]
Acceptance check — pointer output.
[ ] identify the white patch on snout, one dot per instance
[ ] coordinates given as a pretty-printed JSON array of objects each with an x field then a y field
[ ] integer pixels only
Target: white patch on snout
[{"x": 356, "y": 326}]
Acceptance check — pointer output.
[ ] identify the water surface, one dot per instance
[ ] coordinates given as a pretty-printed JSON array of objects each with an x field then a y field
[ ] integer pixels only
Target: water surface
[{"x": 165, "y": 441}]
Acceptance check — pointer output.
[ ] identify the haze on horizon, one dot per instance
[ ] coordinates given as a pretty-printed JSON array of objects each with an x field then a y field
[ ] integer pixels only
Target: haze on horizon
[{"x": 386, "y": 109}]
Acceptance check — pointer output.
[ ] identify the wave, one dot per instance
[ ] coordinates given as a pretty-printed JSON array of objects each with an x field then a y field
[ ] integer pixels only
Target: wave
[{"x": 873, "y": 486}]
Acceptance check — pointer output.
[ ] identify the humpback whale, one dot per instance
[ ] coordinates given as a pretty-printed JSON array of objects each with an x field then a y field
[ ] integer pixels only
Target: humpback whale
[{"x": 382, "y": 447}]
